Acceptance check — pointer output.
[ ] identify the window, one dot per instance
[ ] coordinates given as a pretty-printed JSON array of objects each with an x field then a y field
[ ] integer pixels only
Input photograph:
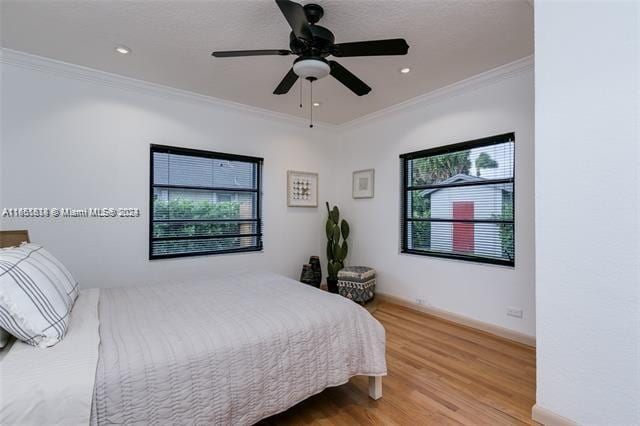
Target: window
[
  {"x": 203, "y": 203},
  {"x": 457, "y": 201}
]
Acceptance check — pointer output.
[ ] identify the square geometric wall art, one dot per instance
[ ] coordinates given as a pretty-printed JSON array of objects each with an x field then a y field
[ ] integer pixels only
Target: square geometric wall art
[
  {"x": 362, "y": 184},
  {"x": 302, "y": 189}
]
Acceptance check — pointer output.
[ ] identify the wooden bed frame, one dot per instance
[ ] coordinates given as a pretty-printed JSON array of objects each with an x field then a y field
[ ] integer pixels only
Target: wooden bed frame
[
  {"x": 15, "y": 238},
  {"x": 375, "y": 387}
]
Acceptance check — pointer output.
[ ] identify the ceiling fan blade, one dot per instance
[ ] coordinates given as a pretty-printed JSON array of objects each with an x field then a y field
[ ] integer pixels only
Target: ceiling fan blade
[
  {"x": 394, "y": 46},
  {"x": 237, "y": 53},
  {"x": 297, "y": 19},
  {"x": 287, "y": 82},
  {"x": 345, "y": 77}
]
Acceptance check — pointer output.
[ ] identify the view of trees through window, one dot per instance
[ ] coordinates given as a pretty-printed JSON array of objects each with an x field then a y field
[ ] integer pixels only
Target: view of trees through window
[
  {"x": 197, "y": 216},
  {"x": 203, "y": 203},
  {"x": 460, "y": 201},
  {"x": 429, "y": 170}
]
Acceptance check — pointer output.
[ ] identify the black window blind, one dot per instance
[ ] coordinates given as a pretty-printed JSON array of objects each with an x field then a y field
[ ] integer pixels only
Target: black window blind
[
  {"x": 458, "y": 201},
  {"x": 203, "y": 203}
]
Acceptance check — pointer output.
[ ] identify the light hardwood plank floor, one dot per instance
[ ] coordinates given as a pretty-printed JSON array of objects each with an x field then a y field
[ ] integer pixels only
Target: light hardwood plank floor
[{"x": 440, "y": 373}]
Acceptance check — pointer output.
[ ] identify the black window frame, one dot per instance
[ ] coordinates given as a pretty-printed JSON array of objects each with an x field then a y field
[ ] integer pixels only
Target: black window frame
[
  {"x": 258, "y": 161},
  {"x": 404, "y": 219}
]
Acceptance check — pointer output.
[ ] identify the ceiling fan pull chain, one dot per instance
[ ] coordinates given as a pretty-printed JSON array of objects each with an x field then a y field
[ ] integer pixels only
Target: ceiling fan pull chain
[
  {"x": 311, "y": 105},
  {"x": 300, "y": 93}
]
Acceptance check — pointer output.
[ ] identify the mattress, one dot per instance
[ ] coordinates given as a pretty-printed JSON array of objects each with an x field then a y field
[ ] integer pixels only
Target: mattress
[
  {"x": 53, "y": 386},
  {"x": 229, "y": 350}
]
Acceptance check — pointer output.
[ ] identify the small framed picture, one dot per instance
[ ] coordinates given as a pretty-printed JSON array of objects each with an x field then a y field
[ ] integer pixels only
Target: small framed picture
[
  {"x": 302, "y": 189},
  {"x": 363, "y": 184}
]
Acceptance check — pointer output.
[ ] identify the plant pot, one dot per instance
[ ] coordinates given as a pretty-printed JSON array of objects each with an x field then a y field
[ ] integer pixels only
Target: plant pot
[{"x": 332, "y": 285}]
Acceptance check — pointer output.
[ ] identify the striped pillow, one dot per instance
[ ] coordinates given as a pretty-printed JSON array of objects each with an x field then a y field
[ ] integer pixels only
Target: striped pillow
[{"x": 36, "y": 295}]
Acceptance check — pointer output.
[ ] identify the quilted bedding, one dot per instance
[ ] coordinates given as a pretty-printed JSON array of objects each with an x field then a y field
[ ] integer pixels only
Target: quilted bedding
[{"x": 231, "y": 350}]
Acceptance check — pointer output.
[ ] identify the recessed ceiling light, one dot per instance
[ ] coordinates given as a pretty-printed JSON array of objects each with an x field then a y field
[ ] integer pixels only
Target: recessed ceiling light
[
  {"x": 405, "y": 70},
  {"x": 123, "y": 50},
  {"x": 316, "y": 104}
]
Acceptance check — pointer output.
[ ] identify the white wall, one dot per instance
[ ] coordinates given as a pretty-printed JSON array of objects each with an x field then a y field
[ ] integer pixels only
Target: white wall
[
  {"x": 588, "y": 229},
  {"x": 72, "y": 142},
  {"x": 499, "y": 104}
]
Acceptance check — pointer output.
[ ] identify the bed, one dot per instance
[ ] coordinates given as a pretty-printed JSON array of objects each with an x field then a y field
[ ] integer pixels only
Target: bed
[{"x": 233, "y": 349}]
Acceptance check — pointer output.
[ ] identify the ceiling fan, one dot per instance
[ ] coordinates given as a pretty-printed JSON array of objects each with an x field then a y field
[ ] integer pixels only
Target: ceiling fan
[{"x": 313, "y": 44}]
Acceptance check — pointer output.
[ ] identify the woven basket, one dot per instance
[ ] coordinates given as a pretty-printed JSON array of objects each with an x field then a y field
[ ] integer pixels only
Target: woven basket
[{"x": 357, "y": 283}]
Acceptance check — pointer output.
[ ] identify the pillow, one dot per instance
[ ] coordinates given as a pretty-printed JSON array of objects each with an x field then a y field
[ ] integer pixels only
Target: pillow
[
  {"x": 36, "y": 295},
  {"x": 53, "y": 267}
]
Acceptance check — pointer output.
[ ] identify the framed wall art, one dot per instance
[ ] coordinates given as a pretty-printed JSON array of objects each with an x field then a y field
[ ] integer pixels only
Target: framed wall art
[
  {"x": 363, "y": 183},
  {"x": 302, "y": 189}
]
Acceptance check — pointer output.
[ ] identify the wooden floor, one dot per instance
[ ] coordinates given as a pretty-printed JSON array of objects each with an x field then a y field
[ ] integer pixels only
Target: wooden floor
[{"x": 439, "y": 373}]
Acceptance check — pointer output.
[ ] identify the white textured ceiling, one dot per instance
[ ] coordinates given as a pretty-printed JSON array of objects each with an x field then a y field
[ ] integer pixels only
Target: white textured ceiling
[{"x": 172, "y": 41}]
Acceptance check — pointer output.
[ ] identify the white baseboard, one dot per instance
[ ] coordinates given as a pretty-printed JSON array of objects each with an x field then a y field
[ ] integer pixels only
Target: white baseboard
[
  {"x": 549, "y": 418},
  {"x": 505, "y": 333}
]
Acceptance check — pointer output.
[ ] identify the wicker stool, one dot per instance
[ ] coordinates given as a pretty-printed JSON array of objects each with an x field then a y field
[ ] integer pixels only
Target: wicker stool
[{"x": 357, "y": 283}]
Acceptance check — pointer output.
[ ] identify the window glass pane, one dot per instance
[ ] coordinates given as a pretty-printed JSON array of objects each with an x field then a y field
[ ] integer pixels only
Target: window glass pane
[
  {"x": 160, "y": 168},
  {"x": 494, "y": 201},
  {"x": 486, "y": 240},
  {"x": 419, "y": 235},
  {"x": 418, "y": 204},
  {"x": 473, "y": 164},
  {"x": 233, "y": 174},
  {"x": 187, "y": 170},
  {"x": 182, "y": 247},
  {"x": 174, "y": 229},
  {"x": 460, "y": 211},
  {"x": 203, "y": 203},
  {"x": 170, "y": 203}
]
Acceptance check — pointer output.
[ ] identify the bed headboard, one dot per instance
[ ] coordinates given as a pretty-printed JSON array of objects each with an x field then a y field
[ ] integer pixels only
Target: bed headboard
[{"x": 13, "y": 238}]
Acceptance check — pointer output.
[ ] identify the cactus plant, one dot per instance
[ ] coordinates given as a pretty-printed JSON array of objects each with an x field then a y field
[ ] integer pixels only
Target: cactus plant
[{"x": 337, "y": 233}]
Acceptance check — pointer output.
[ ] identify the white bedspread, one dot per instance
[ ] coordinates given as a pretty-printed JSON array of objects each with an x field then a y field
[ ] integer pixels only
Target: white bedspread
[
  {"x": 231, "y": 350},
  {"x": 53, "y": 386}
]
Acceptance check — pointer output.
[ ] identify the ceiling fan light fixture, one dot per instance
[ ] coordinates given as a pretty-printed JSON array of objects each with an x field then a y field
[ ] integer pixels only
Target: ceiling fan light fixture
[{"x": 311, "y": 68}]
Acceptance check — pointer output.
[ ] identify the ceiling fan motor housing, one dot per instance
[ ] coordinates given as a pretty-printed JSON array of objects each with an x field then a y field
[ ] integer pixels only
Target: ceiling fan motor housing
[
  {"x": 321, "y": 44},
  {"x": 321, "y": 38}
]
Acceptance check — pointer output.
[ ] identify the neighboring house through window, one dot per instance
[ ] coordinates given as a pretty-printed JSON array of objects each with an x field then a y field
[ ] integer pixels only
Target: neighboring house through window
[
  {"x": 203, "y": 202},
  {"x": 457, "y": 201}
]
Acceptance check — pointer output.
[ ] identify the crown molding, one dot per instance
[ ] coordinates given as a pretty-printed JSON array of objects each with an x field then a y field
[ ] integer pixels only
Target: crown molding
[
  {"x": 475, "y": 82},
  {"x": 77, "y": 72}
]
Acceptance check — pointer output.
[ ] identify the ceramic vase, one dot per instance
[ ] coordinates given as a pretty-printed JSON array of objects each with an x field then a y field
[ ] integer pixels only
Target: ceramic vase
[
  {"x": 314, "y": 261},
  {"x": 306, "y": 276}
]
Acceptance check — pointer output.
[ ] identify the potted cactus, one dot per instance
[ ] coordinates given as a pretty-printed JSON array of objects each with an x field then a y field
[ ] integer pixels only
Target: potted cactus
[{"x": 337, "y": 248}]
